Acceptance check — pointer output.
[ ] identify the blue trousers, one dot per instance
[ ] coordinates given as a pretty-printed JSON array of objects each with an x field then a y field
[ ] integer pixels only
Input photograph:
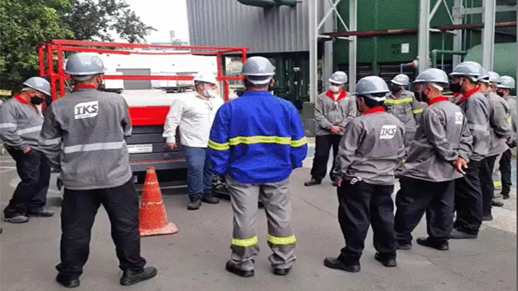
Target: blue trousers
[{"x": 199, "y": 172}]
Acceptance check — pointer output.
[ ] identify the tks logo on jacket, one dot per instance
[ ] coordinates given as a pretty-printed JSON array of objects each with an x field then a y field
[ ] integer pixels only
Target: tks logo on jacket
[
  {"x": 388, "y": 132},
  {"x": 86, "y": 110}
]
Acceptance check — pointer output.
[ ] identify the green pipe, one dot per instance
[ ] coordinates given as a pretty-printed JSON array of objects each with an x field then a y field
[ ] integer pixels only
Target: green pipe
[{"x": 434, "y": 53}]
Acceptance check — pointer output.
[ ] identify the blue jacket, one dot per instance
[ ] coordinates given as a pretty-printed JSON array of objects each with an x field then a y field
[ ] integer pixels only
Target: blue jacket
[{"x": 257, "y": 138}]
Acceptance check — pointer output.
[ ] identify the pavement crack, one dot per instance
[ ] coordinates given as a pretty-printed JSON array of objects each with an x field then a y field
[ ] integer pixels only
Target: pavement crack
[{"x": 315, "y": 206}]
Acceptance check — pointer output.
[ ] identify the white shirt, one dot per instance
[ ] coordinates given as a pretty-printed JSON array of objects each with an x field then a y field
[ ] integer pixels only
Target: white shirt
[{"x": 195, "y": 116}]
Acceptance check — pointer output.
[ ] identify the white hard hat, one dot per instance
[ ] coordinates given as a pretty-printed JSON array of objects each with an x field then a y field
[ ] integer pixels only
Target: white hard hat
[
  {"x": 494, "y": 77},
  {"x": 338, "y": 78},
  {"x": 258, "y": 70},
  {"x": 468, "y": 69},
  {"x": 370, "y": 85},
  {"x": 433, "y": 75},
  {"x": 484, "y": 76},
  {"x": 506, "y": 82},
  {"x": 205, "y": 77},
  {"x": 401, "y": 80},
  {"x": 39, "y": 84},
  {"x": 81, "y": 66}
]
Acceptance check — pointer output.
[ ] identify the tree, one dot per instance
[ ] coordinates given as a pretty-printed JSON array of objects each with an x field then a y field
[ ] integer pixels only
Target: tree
[
  {"x": 99, "y": 19},
  {"x": 23, "y": 25}
]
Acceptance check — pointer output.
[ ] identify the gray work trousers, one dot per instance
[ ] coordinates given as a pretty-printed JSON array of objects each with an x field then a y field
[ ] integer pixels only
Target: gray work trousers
[{"x": 245, "y": 199}]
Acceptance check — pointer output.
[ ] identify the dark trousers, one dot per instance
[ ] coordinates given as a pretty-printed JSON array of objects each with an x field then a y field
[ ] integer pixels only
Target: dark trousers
[
  {"x": 199, "y": 172},
  {"x": 468, "y": 200},
  {"x": 417, "y": 197},
  {"x": 323, "y": 144},
  {"x": 77, "y": 218},
  {"x": 505, "y": 170},
  {"x": 486, "y": 183},
  {"x": 31, "y": 193},
  {"x": 361, "y": 205}
]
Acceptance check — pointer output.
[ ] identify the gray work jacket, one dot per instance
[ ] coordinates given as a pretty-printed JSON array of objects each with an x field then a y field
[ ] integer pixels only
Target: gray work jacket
[
  {"x": 20, "y": 124},
  {"x": 329, "y": 112},
  {"x": 405, "y": 108},
  {"x": 476, "y": 109},
  {"x": 501, "y": 128}
]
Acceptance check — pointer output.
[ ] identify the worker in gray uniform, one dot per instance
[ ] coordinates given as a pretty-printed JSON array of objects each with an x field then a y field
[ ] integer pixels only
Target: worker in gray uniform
[
  {"x": 403, "y": 105},
  {"x": 468, "y": 193},
  {"x": 83, "y": 136},
  {"x": 256, "y": 141},
  {"x": 502, "y": 174},
  {"x": 370, "y": 151},
  {"x": 333, "y": 110},
  {"x": 438, "y": 156},
  {"x": 20, "y": 126},
  {"x": 501, "y": 131}
]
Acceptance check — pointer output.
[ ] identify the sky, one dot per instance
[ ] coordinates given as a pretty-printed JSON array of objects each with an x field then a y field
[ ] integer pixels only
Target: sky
[{"x": 163, "y": 15}]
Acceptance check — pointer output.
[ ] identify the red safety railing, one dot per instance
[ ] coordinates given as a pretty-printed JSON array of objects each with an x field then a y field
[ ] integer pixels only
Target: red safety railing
[{"x": 56, "y": 48}]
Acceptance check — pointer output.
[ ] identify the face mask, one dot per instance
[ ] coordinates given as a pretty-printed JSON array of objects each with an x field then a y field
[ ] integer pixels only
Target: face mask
[
  {"x": 36, "y": 100},
  {"x": 500, "y": 93},
  {"x": 334, "y": 89},
  {"x": 421, "y": 96},
  {"x": 209, "y": 93},
  {"x": 394, "y": 88},
  {"x": 455, "y": 88}
]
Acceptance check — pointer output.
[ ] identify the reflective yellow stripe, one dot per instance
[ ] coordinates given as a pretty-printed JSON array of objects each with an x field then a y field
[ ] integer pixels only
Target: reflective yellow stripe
[
  {"x": 417, "y": 111},
  {"x": 399, "y": 101},
  {"x": 282, "y": 240},
  {"x": 218, "y": 146},
  {"x": 259, "y": 139},
  {"x": 299, "y": 142},
  {"x": 244, "y": 242},
  {"x": 497, "y": 183},
  {"x": 509, "y": 119}
]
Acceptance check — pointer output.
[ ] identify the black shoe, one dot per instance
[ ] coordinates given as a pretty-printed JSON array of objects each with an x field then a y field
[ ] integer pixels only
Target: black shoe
[
  {"x": 505, "y": 196},
  {"x": 241, "y": 273},
  {"x": 389, "y": 263},
  {"x": 457, "y": 234},
  {"x": 209, "y": 199},
  {"x": 487, "y": 217},
  {"x": 131, "y": 278},
  {"x": 194, "y": 205},
  {"x": 404, "y": 246},
  {"x": 67, "y": 282},
  {"x": 281, "y": 272},
  {"x": 497, "y": 203},
  {"x": 423, "y": 241},
  {"x": 16, "y": 219},
  {"x": 313, "y": 182},
  {"x": 41, "y": 213},
  {"x": 334, "y": 263}
]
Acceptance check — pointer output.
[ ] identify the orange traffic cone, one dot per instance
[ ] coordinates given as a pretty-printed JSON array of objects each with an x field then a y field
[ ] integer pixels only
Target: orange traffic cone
[{"x": 152, "y": 215}]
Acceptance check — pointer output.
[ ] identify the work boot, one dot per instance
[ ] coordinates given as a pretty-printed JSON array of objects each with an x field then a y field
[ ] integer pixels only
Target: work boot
[
  {"x": 230, "y": 267},
  {"x": 281, "y": 272},
  {"x": 497, "y": 203},
  {"x": 334, "y": 263},
  {"x": 487, "y": 217},
  {"x": 505, "y": 196},
  {"x": 313, "y": 182},
  {"x": 41, "y": 213},
  {"x": 67, "y": 282},
  {"x": 209, "y": 199},
  {"x": 131, "y": 277},
  {"x": 389, "y": 263},
  {"x": 16, "y": 218},
  {"x": 404, "y": 246},
  {"x": 425, "y": 242},
  {"x": 457, "y": 234}
]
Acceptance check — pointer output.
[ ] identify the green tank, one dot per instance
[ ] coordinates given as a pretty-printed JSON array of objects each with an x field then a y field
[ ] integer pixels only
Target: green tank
[{"x": 504, "y": 61}]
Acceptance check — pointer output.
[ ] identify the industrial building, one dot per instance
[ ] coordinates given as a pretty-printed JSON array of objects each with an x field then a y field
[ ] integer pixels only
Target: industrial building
[{"x": 308, "y": 39}]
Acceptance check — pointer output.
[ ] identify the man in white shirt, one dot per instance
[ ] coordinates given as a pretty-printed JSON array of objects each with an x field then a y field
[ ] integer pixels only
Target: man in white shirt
[{"x": 194, "y": 115}]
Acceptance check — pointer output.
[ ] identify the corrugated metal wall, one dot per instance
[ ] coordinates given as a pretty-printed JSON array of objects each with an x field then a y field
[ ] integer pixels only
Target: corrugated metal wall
[{"x": 230, "y": 23}]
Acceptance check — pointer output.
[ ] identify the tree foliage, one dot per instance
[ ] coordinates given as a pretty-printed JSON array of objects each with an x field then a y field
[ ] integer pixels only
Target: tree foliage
[
  {"x": 100, "y": 19},
  {"x": 23, "y": 25},
  {"x": 26, "y": 23}
]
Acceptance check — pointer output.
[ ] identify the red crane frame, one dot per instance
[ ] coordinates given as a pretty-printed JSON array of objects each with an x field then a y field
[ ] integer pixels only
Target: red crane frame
[{"x": 140, "y": 115}]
